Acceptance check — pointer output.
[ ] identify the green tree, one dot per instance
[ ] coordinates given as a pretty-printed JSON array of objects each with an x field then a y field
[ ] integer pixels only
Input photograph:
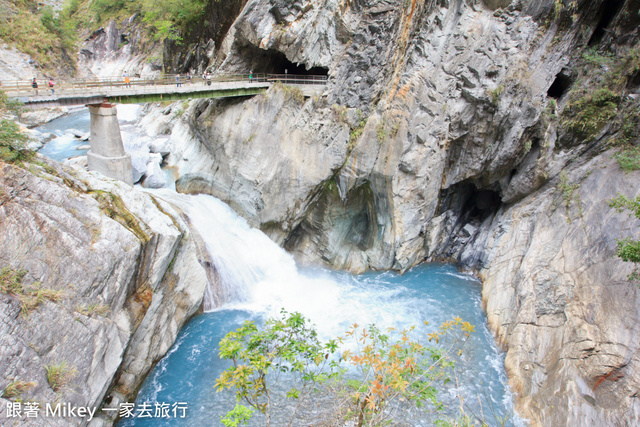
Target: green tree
[
  {"x": 170, "y": 18},
  {"x": 288, "y": 345},
  {"x": 628, "y": 248},
  {"x": 13, "y": 141},
  {"x": 385, "y": 370}
]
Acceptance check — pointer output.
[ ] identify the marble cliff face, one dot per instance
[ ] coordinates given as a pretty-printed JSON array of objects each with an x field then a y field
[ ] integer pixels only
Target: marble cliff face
[{"x": 440, "y": 136}]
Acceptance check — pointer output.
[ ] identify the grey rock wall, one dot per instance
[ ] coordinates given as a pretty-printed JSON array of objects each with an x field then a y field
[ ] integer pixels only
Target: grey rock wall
[
  {"x": 126, "y": 266},
  {"x": 119, "y": 47}
]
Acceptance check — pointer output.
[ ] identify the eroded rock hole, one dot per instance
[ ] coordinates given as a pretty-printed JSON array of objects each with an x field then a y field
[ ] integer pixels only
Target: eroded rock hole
[
  {"x": 634, "y": 82},
  {"x": 275, "y": 62},
  {"x": 609, "y": 10},
  {"x": 481, "y": 204},
  {"x": 465, "y": 208},
  {"x": 470, "y": 203},
  {"x": 560, "y": 85}
]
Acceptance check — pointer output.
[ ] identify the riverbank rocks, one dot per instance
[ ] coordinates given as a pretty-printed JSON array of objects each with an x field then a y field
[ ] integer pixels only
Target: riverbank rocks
[
  {"x": 39, "y": 117},
  {"x": 118, "y": 276}
]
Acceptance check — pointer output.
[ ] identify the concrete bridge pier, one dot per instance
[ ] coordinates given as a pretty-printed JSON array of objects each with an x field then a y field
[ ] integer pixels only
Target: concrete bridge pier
[{"x": 107, "y": 154}]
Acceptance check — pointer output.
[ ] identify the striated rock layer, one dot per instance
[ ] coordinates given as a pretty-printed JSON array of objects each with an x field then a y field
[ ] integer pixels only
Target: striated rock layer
[
  {"x": 441, "y": 136},
  {"x": 127, "y": 274}
]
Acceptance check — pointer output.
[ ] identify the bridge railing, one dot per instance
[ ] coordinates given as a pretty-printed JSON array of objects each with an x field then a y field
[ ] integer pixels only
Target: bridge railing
[
  {"x": 297, "y": 79},
  {"x": 69, "y": 87}
]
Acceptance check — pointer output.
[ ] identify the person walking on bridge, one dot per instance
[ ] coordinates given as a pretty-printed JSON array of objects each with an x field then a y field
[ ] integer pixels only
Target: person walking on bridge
[
  {"x": 34, "y": 85},
  {"x": 51, "y": 84},
  {"x": 178, "y": 84},
  {"x": 127, "y": 81}
]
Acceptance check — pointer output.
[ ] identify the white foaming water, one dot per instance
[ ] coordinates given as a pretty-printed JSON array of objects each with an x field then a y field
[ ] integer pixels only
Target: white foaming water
[{"x": 257, "y": 275}]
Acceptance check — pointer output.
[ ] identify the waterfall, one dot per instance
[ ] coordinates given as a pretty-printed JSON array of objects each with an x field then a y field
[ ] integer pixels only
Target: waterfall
[{"x": 253, "y": 273}]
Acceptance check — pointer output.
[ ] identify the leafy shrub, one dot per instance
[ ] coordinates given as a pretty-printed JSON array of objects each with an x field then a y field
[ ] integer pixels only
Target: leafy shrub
[
  {"x": 628, "y": 248},
  {"x": 629, "y": 159},
  {"x": 392, "y": 369},
  {"x": 41, "y": 34},
  {"x": 13, "y": 143},
  {"x": 589, "y": 113}
]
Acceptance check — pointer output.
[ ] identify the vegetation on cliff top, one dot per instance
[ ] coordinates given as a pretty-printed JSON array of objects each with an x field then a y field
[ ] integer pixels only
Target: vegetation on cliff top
[
  {"x": 603, "y": 97},
  {"x": 51, "y": 36},
  {"x": 42, "y": 33},
  {"x": 167, "y": 19}
]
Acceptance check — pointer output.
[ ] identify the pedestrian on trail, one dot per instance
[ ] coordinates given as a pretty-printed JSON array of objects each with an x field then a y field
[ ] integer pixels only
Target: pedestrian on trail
[
  {"x": 178, "y": 84},
  {"x": 34, "y": 85},
  {"x": 127, "y": 81},
  {"x": 251, "y": 76},
  {"x": 188, "y": 77},
  {"x": 51, "y": 84}
]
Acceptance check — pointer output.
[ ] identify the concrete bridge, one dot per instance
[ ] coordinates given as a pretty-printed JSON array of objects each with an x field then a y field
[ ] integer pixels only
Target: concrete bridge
[{"x": 107, "y": 154}]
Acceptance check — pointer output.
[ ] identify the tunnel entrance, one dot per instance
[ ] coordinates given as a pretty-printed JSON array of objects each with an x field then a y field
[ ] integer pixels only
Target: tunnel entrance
[
  {"x": 470, "y": 202},
  {"x": 465, "y": 208},
  {"x": 559, "y": 86},
  {"x": 272, "y": 61},
  {"x": 609, "y": 10}
]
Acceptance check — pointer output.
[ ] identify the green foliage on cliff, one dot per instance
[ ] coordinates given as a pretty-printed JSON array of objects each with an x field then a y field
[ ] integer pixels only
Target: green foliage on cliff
[
  {"x": 629, "y": 159},
  {"x": 41, "y": 33},
  {"x": 171, "y": 17},
  {"x": 167, "y": 19},
  {"x": 59, "y": 375},
  {"x": 602, "y": 99},
  {"x": 628, "y": 248},
  {"x": 589, "y": 114},
  {"x": 12, "y": 140},
  {"x": 15, "y": 388},
  {"x": 30, "y": 297}
]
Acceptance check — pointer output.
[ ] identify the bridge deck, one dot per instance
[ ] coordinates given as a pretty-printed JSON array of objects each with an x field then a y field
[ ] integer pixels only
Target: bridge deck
[{"x": 154, "y": 90}]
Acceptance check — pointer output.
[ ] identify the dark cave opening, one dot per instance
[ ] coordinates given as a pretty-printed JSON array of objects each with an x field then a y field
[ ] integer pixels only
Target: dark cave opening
[
  {"x": 634, "y": 82},
  {"x": 559, "y": 86},
  {"x": 481, "y": 204},
  {"x": 271, "y": 61},
  {"x": 609, "y": 10},
  {"x": 467, "y": 210},
  {"x": 469, "y": 202}
]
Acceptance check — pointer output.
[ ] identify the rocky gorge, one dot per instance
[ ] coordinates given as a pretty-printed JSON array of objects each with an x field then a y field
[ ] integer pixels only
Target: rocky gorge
[{"x": 446, "y": 132}]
